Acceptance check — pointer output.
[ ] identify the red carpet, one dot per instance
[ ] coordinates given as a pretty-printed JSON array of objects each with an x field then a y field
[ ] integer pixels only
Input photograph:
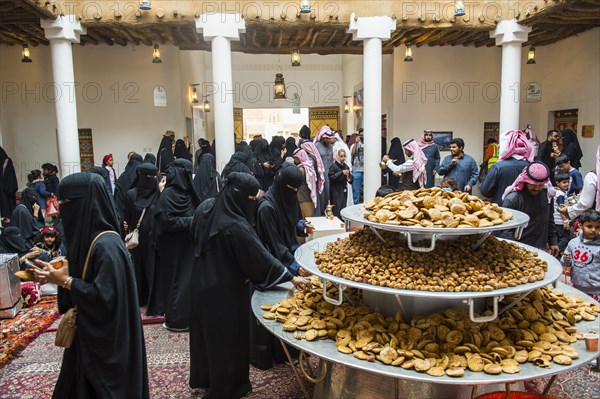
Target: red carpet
[{"x": 17, "y": 333}]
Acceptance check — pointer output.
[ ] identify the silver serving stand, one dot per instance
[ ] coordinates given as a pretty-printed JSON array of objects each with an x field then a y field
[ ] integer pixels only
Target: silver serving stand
[{"x": 345, "y": 377}]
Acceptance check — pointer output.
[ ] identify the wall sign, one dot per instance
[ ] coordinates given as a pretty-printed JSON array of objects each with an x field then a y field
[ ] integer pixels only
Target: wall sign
[
  {"x": 160, "y": 96},
  {"x": 533, "y": 92}
]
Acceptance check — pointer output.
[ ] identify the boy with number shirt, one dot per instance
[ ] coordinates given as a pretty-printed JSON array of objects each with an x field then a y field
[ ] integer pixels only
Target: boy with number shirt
[{"x": 582, "y": 255}]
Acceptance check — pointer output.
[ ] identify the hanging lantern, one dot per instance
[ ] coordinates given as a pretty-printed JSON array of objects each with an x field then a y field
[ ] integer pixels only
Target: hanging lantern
[
  {"x": 206, "y": 105},
  {"x": 531, "y": 55},
  {"x": 459, "y": 8},
  {"x": 408, "y": 53},
  {"x": 279, "y": 87},
  {"x": 156, "y": 55},
  {"x": 305, "y": 6},
  {"x": 145, "y": 4},
  {"x": 346, "y": 108},
  {"x": 26, "y": 54},
  {"x": 295, "y": 57}
]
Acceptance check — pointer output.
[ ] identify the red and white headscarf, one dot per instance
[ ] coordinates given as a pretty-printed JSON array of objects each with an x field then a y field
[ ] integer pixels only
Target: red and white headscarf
[
  {"x": 598, "y": 179},
  {"x": 309, "y": 170},
  {"x": 324, "y": 132},
  {"x": 536, "y": 173},
  {"x": 424, "y": 144},
  {"x": 419, "y": 162},
  {"x": 311, "y": 149},
  {"x": 518, "y": 146}
]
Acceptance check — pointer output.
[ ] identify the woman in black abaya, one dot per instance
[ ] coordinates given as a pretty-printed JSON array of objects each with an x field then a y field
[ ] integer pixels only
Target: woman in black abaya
[
  {"x": 175, "y": 249},
  {"x": 239, "y": 163},
  {"x": 207, "y": 182},
  {"x": 108, "y": 357},
  {"x": 181, "y": 151},
  {"x": 8, "y": 185},
  {"x": 571, "y": 148},
  {"x": 143, "y": 198},
  {"x": 165, "y": 156},
  {"x": 266, "y": 164},
  {"x": 150, "y": 158},
  {"x": 228, "y": 252},
  {"x": 26, "y": 216},
  {"x": 396, "y": 154},
  {"x": 126, "y": 181}
]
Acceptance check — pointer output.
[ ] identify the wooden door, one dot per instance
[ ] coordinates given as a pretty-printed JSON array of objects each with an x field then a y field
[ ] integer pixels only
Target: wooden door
[{"x": 321, "y": 116}]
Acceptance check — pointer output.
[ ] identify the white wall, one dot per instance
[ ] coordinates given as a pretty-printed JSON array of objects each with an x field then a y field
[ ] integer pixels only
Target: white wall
[
  {"x": 114, "y": 95},
  {"x": 569, "y": 73}
]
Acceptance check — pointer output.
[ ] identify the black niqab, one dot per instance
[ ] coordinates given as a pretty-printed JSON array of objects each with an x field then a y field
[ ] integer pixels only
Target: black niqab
[
  {"x": 232, "y": 206},
  {"x": 262, "y": 151},
  {"x": 207, "y": 179},
  {"x": 12, "y": 242},
  {"x": 285, "y": 199},
  {"x": 179, "y": 195},
  {"x": 126, "y": 181},
  {"x": 290, "y": 146},
  {"x": 147, "y": 185},
  {"x": 181, "y": 151},
  {"x": 22, "y": 216},
  {"x": 572, "y": 148},
  {"x": 150, "y": 158},
  {"x": 239, "y": 163}
]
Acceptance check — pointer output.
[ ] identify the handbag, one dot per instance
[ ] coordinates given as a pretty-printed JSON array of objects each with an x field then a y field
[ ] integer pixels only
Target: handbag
[
  {"x": 132, "y": 240},
  {"x": 51, "y": 206},
  {"x": 65, "y": 333}
]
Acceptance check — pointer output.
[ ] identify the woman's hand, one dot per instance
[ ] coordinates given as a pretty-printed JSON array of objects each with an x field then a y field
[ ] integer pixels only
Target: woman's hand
[
  {"x": 303, "y": 273},
  {"x": 162, "y": 183},
  {"x": 36, "y": 209},
  {"x": 301, "y": 283},
  {"x": 48, "y": 274}
]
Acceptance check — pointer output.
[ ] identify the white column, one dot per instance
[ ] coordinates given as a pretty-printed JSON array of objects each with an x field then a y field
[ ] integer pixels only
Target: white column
[
  {"x": 220, "y": 29},
  {"x": 372, "y": 30},
  {"x": 510, "y": 35},
  {"x": 61, "y": 33}
]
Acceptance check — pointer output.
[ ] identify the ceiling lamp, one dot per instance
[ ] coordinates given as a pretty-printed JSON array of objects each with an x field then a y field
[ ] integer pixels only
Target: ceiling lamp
[
  {"x": 408, "y": 53},
  {"x": 531, "y": 55},
  {"x": 156, "y": 55},
  {"x": 145, "y": 4},
  {"x": 295, "y": 57},
  {"x": 459, "y": 8},
  {"x": 305, "y": 6},
  {"x": 26, "y": 54},
  {"x": 206, "y": 105},
  {"x": 279, "y": 87}
]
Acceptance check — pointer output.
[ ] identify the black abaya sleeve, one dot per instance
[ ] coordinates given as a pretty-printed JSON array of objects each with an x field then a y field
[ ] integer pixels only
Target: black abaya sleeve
[
  {"x": 171, "y": 224},
  {"x": 336, "y": 174},
  {"x": 255, "y": 262},
  {"x": 268, "y": 231},
  {"x": 130, "y": 214}
]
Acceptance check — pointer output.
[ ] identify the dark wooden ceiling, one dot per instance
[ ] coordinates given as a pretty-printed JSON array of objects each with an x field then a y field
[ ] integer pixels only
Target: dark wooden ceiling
[{"x": 552, "y": 21}]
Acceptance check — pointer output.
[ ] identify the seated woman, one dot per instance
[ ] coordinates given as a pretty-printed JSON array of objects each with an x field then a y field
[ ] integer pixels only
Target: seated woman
[
  {"x": 26, "y": 216},
  {"x": 108, "y": 357},
  {"x": 11, "y": 242}
]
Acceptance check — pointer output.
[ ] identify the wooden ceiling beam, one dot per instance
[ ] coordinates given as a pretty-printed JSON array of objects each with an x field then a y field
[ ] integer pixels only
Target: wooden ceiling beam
[
  {"x": 36, "y": 9},
  {"x": 34, "y": 32},
  {"x": 99, "y": 37},
  {"x": 314, "y": 39},
  {"x": 280, "y": 38},
  {"x": 293, "y": 42},
  {"x": 306, "y": 39},
  {"x": 330, "y": 39},
  {"x": 8, "y": 40}
]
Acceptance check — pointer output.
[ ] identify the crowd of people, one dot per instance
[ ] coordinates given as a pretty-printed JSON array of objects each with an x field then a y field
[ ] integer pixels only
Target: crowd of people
[{"x": 202, "y": 236}]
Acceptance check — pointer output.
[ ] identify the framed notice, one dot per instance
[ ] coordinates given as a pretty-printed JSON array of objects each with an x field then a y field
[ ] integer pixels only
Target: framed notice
[
  {"x": 160, "y": 96},
  {"x": 533, "y": 92}
]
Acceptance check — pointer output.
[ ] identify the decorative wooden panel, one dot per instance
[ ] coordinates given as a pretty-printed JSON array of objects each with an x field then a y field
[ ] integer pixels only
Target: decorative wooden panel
[
  {"x": 566, "y": 119},
  {"x": 238, "y": 124},
  {"x": 321, "y": 116},
  {"x": 86, "y": 149}
]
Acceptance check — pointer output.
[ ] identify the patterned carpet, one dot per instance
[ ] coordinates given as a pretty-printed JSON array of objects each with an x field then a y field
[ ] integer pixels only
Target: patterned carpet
[
  {"x": 17, "y": 333},
  {"x": 33, "y": 375}
]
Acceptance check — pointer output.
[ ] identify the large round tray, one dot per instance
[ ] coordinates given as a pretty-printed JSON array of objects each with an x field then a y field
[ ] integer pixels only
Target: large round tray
[
  {"x": 326, "y": 349},
  {"x": 355, "y": 213},
  {"x": 305, "y": 256}
]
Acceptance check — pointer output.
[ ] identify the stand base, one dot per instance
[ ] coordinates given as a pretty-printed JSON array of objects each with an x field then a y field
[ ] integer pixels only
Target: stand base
[{"x": 343, "y": 382}]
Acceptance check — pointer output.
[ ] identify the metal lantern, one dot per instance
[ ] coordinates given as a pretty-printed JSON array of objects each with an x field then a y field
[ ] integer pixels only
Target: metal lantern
[
  {"x": 26, "y": 54},
  {"x": 346, "y": 108},
  {"x": 295, "y": 57},
  {"x": 194, "y": 96},
  {"x": 145, "y": 4},
  {"x": 408, "y": 53},
  {"x": 531, "y": 55},
  {"x": 305, "y": 6},
  {"x": 279, "y": 87},
  {"x": 459, "y": 8},
  {"x": 156, "y": 55},
  {"x": 206, "y": 105}
]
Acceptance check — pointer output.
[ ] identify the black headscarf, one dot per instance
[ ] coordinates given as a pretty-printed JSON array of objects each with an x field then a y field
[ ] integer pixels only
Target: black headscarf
[
  {"x": 238, "y": 163},
  {"x": 164, "y": 157},
  {"x": 262, "y": 151},
  {"x": 283, "y": 194},
  {"x": 150, "y": 158},
  {"x": 181, "y": 151},
  {"x": 204, "y": 149},
  {"x": 126, "y": 181},
  {"x": 179, "y": 197},
  {"x": 206, "y": 176},
  {"x": 305, "y": 132},
  {"x": 290, "y": 146},
  {"x": 396, "y": 151},
  {"x": 572, "y": 148},
  {"x": 147, "y": 185},
  {"x": 277, "y": 145},
  {"x": 12, "y": 242},
  {"x": 8, "y": 184},
  {"x": 232, "y": 206},
  {"x": 103, "y": 173},
  {"x": 28, "y": 198}
]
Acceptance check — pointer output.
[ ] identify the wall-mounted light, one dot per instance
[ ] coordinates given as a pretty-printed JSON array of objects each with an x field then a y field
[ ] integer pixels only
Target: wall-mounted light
[
  {"x": 195, "y": 96},
  {"x": 305, "y": 6},
  {"x": 26, "y": 54},
  {"x": 296, "y": 57},
  {"x": 145, "y": 4},
  {"x": 156, "y": 55},
  {"x": 206, "y": 105},
  {"x": 408, "y": 53},
  {"x": 346, "y": 106},
  {"x": 531, "y": 55},
  {"x": 279, "y": 87},
  {"x": 459, "y": 8}
]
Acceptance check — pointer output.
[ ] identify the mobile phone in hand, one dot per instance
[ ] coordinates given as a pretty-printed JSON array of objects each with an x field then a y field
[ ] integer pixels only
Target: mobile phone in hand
[{"x": 31, "y": 265}]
